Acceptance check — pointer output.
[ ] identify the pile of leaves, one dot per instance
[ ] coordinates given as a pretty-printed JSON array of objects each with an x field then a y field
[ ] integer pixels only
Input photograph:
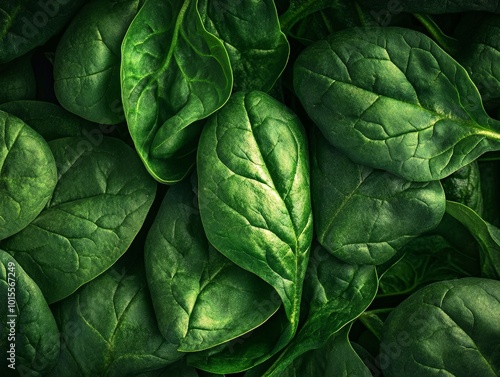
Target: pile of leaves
[{"x": 249, "y": 187}]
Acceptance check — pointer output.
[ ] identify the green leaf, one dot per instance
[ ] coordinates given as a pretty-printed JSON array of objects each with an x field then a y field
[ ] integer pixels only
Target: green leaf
[
  {"x": 254, "y": 196},
  {"x": 432, "y": 6},
  {"x": 464, "y": 186},
  {"x": 447, "y": 328},
  {"x": 17, "y": 80},
  {"x": 336, "y": 358},
  {"x": 487, "y": 236},
  {"x": 250, "y": 349},
  {"x": 30, "y": 338},
  {"x": 337, "y": 293},
  {"x": 427, "y": 259},
  {"x": 26, "y": 24},
  {"x": 364, "y": 215},
  {"x": 87, "y": 60},
  {"x": 27, "y": 174},
  {"x": 390, "y": 98},
  {"x": 251, "y": 33},
  {"x": 174, "y": 73},
  {"x": 99, "y": 204},
  {"x": 201, "y": 298},
  {"x": 480, "y": 57},
  {"x": 109, "y": 328},
  {"x": 52, "y": 121}
]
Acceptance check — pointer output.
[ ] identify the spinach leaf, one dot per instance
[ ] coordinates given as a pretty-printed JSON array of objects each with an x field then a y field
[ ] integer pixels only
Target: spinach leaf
[
  {"x": 87, "y": 60},
  {"x": 337, "y": 293},
  {"x": 201, "y": 298},
  {"x": 27, "y": 174},
  {"x": 487, "y": 236},
  {"x": 99, "y": 204},
  {"x": 432, "y": 6},
  {"x": 464, "y": 186},
  {"x": 30, "y": 338},
  {"x": 248, "y": 350},
  {"x": 52, "y": 121},
  {"x": 114, "y": 318},
  {"x": 364, "y": 215},
  {"x": 427, "y": 259},
  {"x": 480, "y": 57},
  {"x": 390, "y": 98},
  {"x": 447, "y": 328},
  {"x": 251, "y": 33},
  {"x": 490, "y": 186},
  {"x": 253, "y": 172},
  {"x": 336, "y": 358},
  {"x": 17, "y": 80},
  {"x": 299, "y": 9},
  {"x": 173, "y": 74},
  {"x": 27, "y": 24}
]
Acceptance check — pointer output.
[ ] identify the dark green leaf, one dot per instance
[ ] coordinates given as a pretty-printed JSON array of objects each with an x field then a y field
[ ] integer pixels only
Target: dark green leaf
[
  {"x": 27, "y": 174},
  {"x": 87, "y": 60},
  {"x": 336, "y": 358},
  {"x": 17, "y": 80},
  {"x": 480, "y": 57},
  {"x": 390, "y": 98},
  {"x": 337, "y": 293},
  {"x": 99, "y": 204},
  {"x": 174, "y": 73},
  {"x": 447, "y": 328},
  {"x": 486, "y": 235},
  {"x": 432, "y": 6},
  {"x": 52, "y": 121},
  {"x": 251, "y": 33},
  {"x": 427, "y": 259},
  {"x": 30, "y": 338},
  {"x": 364, "y": 215},
  {"x": 109, "y": 328},
  {"x": 26, "y": 24},
  {"x": 464, "y": 186},
  {"x": 201, "y": 298}
]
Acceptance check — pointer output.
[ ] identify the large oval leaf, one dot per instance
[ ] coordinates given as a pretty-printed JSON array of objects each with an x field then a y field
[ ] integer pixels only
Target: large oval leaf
[
  {"x": 254, "y": 196},
  {"x": 392, "y": 99},
  {"x": 30, "y": 337},
  {"x": 27, "y": 174},
  {"x": 113, "y": 317},
  {"x": 17, "y": 80},
  {"x": 99, "y": 204},
  {"x": 174, "y": 73},
  {"x": 87, "y": 60},
  {"x": 447, "y": 328},
  {"x": 364, "y": 215},
  {"x": 201, "y": 298}
]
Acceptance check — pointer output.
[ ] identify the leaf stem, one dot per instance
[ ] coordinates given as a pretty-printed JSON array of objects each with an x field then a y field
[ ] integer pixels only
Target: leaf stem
[
  {"x": 447, "y": 43},
  {"x": 299, "y": 9}
]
